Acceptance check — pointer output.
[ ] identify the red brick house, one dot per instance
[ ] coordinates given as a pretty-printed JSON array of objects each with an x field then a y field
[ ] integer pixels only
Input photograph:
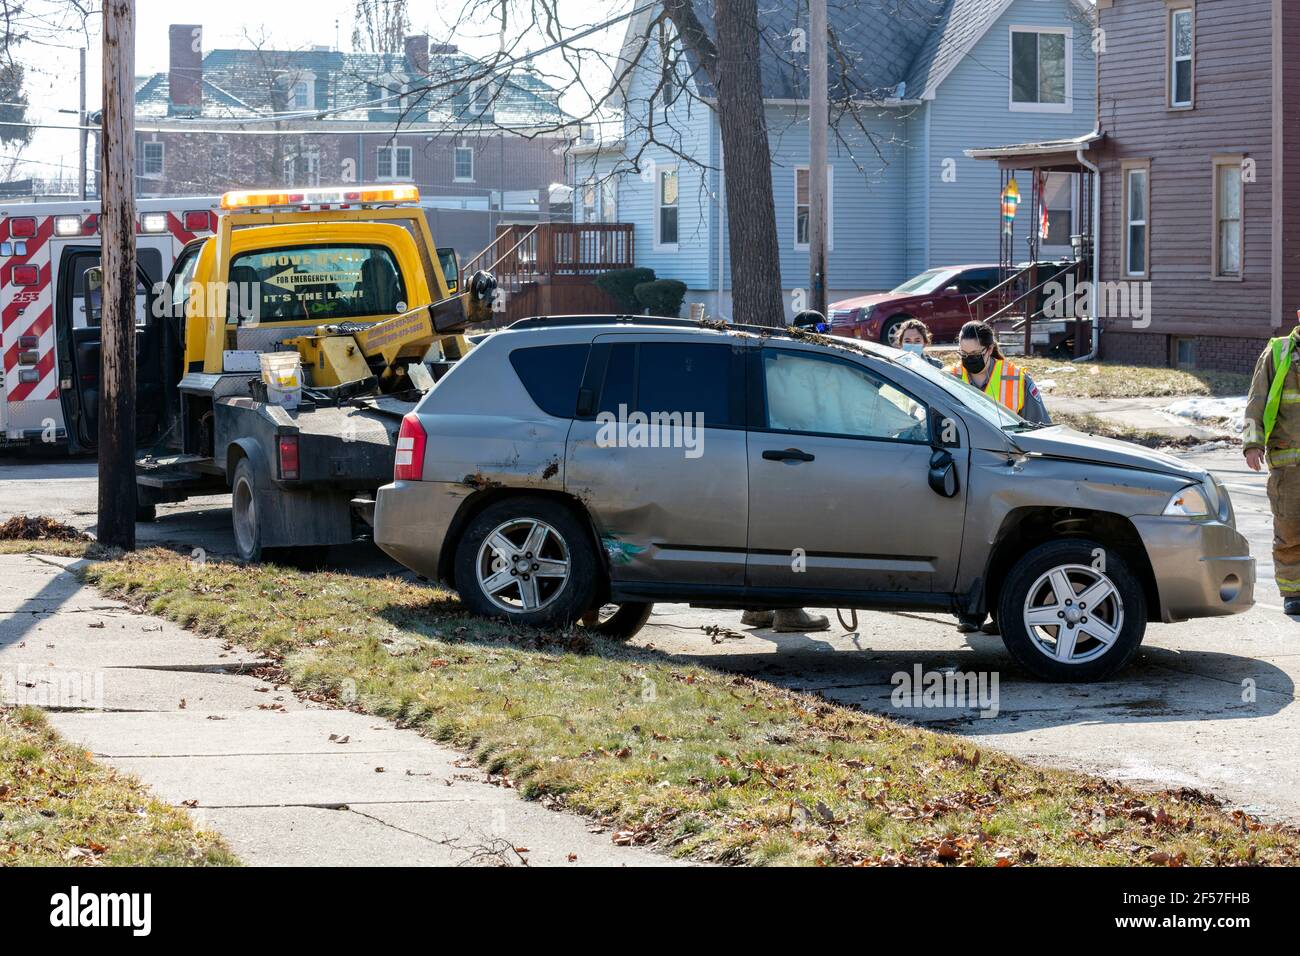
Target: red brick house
[
  {"x": 1199, "y": 107},
  {"x": 352, "y": 118}
]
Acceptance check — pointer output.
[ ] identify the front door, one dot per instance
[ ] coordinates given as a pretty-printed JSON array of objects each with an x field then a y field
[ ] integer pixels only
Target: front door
[
  {"x": 839, "y": 497},
  {"x": 658, "y": 457},
  {"x": 78, "y": 311}
]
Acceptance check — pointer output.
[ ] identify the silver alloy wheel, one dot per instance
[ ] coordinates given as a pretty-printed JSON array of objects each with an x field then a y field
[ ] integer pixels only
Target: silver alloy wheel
[
  {"x": 896, "y": 335},
  {"x": 1074, "y": 614},
  {"x": 522, "y": 565},
  {"x": 243, "y": 513}
]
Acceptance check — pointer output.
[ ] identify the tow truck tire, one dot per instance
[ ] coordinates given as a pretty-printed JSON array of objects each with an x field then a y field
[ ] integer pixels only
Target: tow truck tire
[
  {"x": 491, "y": 577},
  {"x": 243, "y": 513}
]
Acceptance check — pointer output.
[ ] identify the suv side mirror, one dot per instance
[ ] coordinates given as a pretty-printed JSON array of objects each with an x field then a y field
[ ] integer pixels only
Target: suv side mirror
[{"x": 943, "y": 473}]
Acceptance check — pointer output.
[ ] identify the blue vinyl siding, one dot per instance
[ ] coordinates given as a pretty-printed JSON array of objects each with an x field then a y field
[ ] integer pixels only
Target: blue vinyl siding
[{"x": 971, "y": 109}]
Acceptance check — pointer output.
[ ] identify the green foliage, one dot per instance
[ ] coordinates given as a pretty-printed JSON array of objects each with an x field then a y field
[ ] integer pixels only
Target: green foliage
[
  {"x": 620, "y": 285},
  {"x": 662, "y": 296},
  {"x": 13, "y": 106}
]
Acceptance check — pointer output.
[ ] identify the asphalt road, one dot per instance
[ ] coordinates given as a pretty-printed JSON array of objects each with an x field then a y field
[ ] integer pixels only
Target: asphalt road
[{"x": 1207, "y": 704}]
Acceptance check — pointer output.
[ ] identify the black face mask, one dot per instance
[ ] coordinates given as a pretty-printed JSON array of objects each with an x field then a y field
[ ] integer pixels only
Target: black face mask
[{"x": 973, "y": 363}]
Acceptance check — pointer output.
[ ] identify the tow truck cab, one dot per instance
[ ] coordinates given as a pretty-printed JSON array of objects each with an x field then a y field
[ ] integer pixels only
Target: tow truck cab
[{"x": 307, "y": 272}]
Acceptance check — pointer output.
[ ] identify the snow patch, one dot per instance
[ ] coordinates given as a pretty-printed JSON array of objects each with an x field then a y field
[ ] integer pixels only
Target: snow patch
[{"x": 1229, "y": 413}]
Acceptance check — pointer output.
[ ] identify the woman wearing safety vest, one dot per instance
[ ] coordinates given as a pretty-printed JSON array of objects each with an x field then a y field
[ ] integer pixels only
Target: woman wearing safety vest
[
  {"x": 984, "y": 366},
  {"x": 1272, "y": 433}
]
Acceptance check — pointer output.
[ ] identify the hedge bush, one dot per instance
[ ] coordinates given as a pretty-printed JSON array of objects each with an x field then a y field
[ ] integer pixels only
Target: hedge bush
[
  {"x": 662, "y": 297},
  {"x": 621, "y": 284}
]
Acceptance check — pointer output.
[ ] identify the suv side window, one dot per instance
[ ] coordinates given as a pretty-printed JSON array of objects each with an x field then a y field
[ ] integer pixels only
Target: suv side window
[
  {"x": 552, "y": 374},
  {"x": 677, "y": 377},
  {"x": 821, "y": 394}
]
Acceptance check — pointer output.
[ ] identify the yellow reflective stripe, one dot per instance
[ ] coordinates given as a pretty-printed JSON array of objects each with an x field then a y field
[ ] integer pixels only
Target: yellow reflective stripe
[
  {"x": 1290, "y": 398},
  {"x": 1281, "y": 457},
  {"x": 1286, "y": 584}
]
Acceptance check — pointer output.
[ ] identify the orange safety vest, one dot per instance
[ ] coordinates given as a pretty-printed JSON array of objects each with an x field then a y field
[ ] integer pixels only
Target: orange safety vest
[{"x": 1006, "y": 383}]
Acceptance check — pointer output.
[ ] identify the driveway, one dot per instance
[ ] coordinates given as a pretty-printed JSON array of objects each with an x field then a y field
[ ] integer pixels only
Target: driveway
[{"x": 1207, "y": 704}]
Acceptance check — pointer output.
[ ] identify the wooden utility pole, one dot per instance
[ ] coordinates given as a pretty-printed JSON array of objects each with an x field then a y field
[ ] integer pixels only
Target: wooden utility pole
[
  {"x": 81, "y": 132},
  {"x": 818, "y": 119},
  {"x": 117, "y": 494}
]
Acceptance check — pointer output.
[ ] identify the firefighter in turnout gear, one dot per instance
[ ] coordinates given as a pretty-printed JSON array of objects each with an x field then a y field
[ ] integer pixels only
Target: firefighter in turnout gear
[
  {"x": 1272, "y": 434},
  {"x": 983, "y": 365}
]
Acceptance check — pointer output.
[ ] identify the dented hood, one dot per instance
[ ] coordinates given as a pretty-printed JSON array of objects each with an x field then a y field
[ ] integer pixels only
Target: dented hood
[{"x": 1058, "y": 441}]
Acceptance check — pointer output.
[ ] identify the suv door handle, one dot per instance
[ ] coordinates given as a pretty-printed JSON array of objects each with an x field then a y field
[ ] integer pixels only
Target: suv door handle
[{"x": 787, "y": 454}]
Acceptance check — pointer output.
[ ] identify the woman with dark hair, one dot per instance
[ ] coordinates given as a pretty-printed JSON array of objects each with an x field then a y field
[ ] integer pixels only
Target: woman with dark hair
[
  {"x": 914, "y": 336},
  {"x": 983, "y": 365}
]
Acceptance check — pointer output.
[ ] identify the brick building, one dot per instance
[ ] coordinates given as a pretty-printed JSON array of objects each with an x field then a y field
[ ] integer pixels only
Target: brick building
[{"x": 431, "y": 116}]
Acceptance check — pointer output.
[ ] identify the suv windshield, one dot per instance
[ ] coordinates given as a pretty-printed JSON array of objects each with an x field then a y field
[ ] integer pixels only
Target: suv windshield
[
  {"x": 927, "y": 282},
  {"x": 970, "y": 397}
]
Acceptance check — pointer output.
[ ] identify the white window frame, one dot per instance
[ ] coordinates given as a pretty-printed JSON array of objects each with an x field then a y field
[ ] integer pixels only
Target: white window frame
[
  {"x": 830, "y": 208},
  {"x": 660, "y": 205},
  {"x": 609, "y": 200},
  {"x": 455, "y": 164},
  {"x": 1017, "y": 107},
  {"x": 144, "y": 159},
  {"x": 1174, "y": 59},
  {"x": 393, "y": 164},
  {"x": 1144, "y": 169},
  {"x": 1216, "y": 251},
  {"x": 307, "y": 97}
]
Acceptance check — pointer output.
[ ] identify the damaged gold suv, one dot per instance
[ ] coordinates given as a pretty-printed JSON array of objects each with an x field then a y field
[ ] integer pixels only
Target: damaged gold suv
[{"x": 572, "y": 464}]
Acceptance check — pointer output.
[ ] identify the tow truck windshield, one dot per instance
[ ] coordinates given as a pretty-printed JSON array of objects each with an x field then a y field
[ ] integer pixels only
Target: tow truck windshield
[{"x": 322, "y": 283}]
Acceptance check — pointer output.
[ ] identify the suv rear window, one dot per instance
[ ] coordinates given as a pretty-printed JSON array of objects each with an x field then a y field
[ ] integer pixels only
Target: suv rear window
[
  {"x": 552, "y": 374},
  {"x": 316, "y": 283}
]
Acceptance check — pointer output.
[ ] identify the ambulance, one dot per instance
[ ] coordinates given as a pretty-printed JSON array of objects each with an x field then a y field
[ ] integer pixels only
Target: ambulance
[{"x": 49, "y": 341}]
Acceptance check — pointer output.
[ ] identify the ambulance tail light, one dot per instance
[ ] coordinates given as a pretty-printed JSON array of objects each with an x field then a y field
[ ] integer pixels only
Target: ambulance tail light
[
  {"x": 153, "y": 222},
  {"x": 26, "y": 275},
  {"x": 22, "y": 227},
  {"x": 197, "y": 220},
  {"x": 408, "y": 465},
  {"x": 67, "y": 225}
]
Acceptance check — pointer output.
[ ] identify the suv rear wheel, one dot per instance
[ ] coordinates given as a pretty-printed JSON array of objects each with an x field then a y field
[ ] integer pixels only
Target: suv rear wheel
[
  {"x": 527, "y": 560},
  {"x": 618, "y": 622},
  {"x": 1072, "y": 611}
]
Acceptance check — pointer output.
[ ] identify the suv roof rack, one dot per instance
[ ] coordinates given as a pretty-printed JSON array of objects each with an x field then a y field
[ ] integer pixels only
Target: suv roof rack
[{"x": 553, "y": 321}]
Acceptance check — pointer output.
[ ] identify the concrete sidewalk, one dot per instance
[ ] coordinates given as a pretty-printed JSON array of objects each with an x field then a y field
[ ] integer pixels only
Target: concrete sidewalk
[
  {"x": 1141, "y": 414},
  {"x": 287, "y": 782}
]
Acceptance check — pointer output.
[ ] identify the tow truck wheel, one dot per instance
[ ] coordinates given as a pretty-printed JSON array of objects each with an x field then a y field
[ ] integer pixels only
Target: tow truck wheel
[
  {"x": 618, "y": 622},
  {"x": 243, "y": 513},
  {"x": 527, "y": 560}
]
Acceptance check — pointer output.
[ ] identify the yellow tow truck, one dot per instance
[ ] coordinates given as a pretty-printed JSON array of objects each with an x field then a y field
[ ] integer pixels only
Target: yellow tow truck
[{"x": 346, "y": 289}]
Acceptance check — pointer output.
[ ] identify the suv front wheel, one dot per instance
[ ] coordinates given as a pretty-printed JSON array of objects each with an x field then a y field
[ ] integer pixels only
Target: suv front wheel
[
  {"x": 527, "y": 560},
  {"x": 1072, "y": 611}
]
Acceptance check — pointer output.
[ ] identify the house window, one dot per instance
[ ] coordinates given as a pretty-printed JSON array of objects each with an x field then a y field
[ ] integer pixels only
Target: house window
[
  {"x": 1227, "y": 219},
  {"x": 589, "y": 197},
  {"x": 1184, "y": 350},
  {"x": 1040, "y": 70},
  {"x": 608, "y": 201},
  {"x": 1136, "y": 211},
  {"x": 464, "y": 171},
  {"x": 1058, "y": 199},
  {"x": 666, "y": 223},
  {"x": 802, "y": 205},
  {"x": 151, "y": 160},
  {"x": 302, "y": 168},
  {"x": 219, "y": 159},
  {"x": 300, "y": 96},
  {"x": 1181, "y": 48},
  {"x": 393, "y": 162}
]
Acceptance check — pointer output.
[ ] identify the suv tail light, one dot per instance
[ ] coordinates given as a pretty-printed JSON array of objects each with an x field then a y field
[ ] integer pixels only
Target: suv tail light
[
  {"x": 409, "y": 463},
  {"x": 289, "y": 457}
]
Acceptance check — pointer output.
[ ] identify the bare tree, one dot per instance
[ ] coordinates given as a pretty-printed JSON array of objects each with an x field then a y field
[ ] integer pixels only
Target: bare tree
[{"x": 381, "y": 26}]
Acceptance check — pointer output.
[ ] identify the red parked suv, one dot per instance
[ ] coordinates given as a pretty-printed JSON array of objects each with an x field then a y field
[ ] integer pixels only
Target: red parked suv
[{"x": 938, "y": 297}]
